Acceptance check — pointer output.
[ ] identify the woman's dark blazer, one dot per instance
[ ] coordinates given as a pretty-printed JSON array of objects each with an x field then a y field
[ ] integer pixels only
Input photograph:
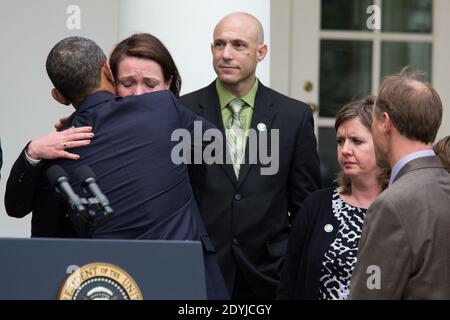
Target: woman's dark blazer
[{"x": 307, "y": 245}]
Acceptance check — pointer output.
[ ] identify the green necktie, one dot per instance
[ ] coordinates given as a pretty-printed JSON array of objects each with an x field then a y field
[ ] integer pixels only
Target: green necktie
[{"x": 235, "y": 134}]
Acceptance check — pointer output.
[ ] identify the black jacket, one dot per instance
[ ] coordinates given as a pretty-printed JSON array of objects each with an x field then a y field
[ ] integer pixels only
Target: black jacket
[
  {"x": 27, "y": 190},
  {"x": 308, "y": 243},
  {"x": 247, "y": 219}
]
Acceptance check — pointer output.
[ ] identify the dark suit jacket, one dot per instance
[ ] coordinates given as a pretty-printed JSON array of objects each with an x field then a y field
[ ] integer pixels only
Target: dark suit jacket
[
  {"x": 308, "y": 243},
  {"x": 247, "y": 219},
  {"x": 406, "y": 234},
  {"x": 131, "y": 156}
]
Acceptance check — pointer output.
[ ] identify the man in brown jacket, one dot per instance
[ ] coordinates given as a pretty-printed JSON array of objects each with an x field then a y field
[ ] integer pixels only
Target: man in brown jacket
[{"x": 404, "y": 251}]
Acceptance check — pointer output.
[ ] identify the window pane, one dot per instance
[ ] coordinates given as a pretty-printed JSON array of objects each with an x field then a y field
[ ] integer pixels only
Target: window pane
[
  {"x": 345, "y": 14},
  {"x": 345, "y": 74},
  {"x": 407, "y": 16},
  {"x": 396, "y": 55},
  {"x": 329, "y": 167}
]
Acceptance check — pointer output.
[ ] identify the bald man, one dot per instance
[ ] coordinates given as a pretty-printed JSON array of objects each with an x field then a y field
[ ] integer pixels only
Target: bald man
[{"x": 248, "y": 213}]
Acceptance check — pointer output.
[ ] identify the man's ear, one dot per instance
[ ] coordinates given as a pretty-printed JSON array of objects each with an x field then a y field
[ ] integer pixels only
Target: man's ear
[
  {"x": 106, "y": 70},
  {"x": 59, "y": 97},
  {"x": 387, "y": 123},
  {"x": 261, "y": 52}
]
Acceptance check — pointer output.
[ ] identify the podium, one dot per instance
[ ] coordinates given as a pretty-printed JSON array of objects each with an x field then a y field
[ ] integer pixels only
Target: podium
[{"x": 88, "y": 269}]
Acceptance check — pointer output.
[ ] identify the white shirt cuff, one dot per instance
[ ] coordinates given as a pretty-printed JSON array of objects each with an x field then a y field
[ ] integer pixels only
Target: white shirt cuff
[{"x": 33, "y": 162}]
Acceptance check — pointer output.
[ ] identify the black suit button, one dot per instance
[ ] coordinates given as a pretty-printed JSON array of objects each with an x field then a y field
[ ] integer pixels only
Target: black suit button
[
  {"x": 236, "y": 241},
  {"x": 237, "y": 197}
]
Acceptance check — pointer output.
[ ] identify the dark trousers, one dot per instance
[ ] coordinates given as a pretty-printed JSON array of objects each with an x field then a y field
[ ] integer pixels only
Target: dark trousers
[{"x": 241, "y": 289}]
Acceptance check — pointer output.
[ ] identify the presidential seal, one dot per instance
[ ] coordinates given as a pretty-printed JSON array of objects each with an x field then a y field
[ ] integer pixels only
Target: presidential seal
[{"x": 100, "y": 281}]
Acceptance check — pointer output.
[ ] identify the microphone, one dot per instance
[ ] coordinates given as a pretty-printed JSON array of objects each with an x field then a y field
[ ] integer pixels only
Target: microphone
[
  {"x": 86, "y": 177},
  {"x": 58, "y": 179}
]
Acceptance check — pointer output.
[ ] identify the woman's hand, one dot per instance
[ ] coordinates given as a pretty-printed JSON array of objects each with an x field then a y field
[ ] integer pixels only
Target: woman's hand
[{"x": 54, "y": 144}]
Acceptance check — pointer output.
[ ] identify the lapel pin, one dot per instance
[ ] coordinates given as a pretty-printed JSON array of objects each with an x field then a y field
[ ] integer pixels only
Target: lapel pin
[
  {"x": 328, "y": 228},
  {"x": 261, "y": 127}
]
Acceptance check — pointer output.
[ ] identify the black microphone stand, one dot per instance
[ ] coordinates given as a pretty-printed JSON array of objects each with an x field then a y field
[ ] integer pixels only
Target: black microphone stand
[{"x": 92, "y": 217}]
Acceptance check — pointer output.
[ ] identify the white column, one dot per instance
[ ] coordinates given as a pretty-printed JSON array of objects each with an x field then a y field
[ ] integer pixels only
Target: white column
[
  {"x": 441, "y": 62},
  {"x": 186, "y": 28}
]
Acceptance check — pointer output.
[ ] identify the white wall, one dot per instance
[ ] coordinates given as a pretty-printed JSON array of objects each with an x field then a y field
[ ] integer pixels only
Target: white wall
[
  {"x": 28, "y": 30},
  {"x": 186, "y": 28},
  {"x": 441, "y": 61}
]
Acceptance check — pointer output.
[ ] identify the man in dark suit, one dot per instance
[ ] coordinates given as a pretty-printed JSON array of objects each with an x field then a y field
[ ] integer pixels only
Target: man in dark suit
[
  {"x": 131, "y": 154},
  {"x": 404, "y": 251},
  {"x": 245, "y": 211}
]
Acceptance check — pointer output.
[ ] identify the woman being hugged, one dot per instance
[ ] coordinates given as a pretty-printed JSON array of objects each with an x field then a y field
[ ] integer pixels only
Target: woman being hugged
[
  {"x": 141, "y": 64},
  {"x": 323, "y": 243}
]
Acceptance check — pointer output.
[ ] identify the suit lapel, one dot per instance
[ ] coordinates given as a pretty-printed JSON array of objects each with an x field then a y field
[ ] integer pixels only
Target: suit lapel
[
  {"x": 263, "y": 112},
  {"x": 209, "y": 108}
]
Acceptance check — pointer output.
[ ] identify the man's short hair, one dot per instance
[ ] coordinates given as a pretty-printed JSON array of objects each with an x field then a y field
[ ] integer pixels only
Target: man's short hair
[
  {"x": 74, "y": 67},
  {"x": 414, "y": 106}
]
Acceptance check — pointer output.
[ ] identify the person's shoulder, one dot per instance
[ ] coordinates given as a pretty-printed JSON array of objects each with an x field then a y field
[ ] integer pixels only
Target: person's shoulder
[
  {"x": 282, "y": 98},
  {"x": 155, "y": 96},
  {"x": 319, "y": 196},
  {"x": 197, "y": 94},
  {"x": 316, "y": 206},
  {"x": 411, "y": 185},
  {"x": 290, "y": 110},
  {"x": 411, "y": 182},
  {"x": 150, "y": 101},
  {"x": 394, "y": 199}
]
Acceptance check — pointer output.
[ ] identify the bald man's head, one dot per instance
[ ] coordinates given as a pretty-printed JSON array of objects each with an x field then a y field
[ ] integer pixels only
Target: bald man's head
[
  {"x": 247, "y": 21},
  {"x": 237, "y": 48}
]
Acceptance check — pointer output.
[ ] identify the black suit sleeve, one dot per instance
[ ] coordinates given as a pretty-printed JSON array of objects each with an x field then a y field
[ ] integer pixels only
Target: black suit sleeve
[
  {"x": 304, "y": 176},
  {"x": 297, "y": 239},
  {"x": 21, "y": 187}
]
